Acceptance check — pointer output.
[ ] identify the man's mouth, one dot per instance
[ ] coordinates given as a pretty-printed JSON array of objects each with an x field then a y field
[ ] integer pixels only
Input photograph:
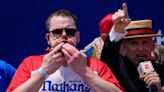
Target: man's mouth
[
  {"x": 140, "y": 57},
  {"x": 65, "y": 41}
]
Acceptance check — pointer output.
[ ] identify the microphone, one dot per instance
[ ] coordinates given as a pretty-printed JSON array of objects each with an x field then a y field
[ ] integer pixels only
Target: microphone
[{"x": 145, "y": 67}]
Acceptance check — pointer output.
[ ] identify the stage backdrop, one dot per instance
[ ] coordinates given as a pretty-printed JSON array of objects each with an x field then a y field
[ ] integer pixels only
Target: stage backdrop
[{"x": 22, "y": 27}]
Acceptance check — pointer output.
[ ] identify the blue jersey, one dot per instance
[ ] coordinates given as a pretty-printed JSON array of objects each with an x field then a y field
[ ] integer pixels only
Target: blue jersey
[{"x": 6, "y": 73}]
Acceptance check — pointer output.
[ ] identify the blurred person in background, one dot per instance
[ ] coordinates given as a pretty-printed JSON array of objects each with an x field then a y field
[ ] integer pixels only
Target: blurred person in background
[
  {"x": 158, "y": 54},
  {"x": 6, "y": 74}
]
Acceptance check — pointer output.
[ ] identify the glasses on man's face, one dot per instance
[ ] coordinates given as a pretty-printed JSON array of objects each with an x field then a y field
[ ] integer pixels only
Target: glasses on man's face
[{"x": 68, "y": 31}]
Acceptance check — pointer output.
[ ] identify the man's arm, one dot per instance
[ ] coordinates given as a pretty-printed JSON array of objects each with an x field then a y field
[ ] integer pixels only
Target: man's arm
[
  {"x": 51, "y": 62},
  {"x": 22, "y": 75},
  {"x": 110, "y": 52},
  {"x": 97, "y": 84},
  {"x": 33, "y": 84}
]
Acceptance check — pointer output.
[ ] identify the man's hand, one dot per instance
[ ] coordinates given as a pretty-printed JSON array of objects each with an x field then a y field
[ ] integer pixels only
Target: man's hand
[
  {"x": 121, "y": 19},
  {"x": 75, "y": 59},
  {"x": 152, "y": 78},
  {"x": 53, "y": 60},
  {"x": 98, "y": 46}
]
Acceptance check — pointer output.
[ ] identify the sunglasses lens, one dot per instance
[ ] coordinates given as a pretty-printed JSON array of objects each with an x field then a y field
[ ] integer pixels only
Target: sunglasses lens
[
  {"x": 57, "y": 31},
  {"x": 70, "y": 32}
]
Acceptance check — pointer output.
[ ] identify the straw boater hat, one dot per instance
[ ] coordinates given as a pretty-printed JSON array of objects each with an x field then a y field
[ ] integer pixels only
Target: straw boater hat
[{"x": 140, "y": 28}]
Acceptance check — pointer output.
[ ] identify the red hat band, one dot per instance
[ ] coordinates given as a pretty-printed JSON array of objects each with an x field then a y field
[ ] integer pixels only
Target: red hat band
[{"x": 139, "y": 32}]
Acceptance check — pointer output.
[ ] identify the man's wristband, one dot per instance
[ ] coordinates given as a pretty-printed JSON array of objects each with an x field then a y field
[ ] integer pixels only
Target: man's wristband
[{"x": 42, "y": 72}]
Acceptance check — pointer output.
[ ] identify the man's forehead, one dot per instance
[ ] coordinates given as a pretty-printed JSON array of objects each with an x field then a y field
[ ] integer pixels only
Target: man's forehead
[
  {"x": 139, "y": 39},
  {"x": 58, "y": 18},
  {"x": 61, "y": 21}
]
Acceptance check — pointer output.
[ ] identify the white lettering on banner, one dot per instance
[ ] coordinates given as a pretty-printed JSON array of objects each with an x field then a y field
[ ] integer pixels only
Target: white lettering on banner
[
  {"x": 70, "y": 86},
  {"x": 159, "y": 40}
]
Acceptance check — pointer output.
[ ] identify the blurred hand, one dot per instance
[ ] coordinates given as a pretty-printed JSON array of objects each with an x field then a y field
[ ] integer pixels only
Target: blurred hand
[
  {"x": 75, "y": 59},
  {"x": 98, "y": 46},
  {"x": 121, "y": 19}
]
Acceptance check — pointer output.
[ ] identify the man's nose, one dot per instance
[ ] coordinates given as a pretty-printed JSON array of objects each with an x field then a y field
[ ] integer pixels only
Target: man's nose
[
  {"x": 141, "y": 47},
  {"x": 64, "y": 34}
]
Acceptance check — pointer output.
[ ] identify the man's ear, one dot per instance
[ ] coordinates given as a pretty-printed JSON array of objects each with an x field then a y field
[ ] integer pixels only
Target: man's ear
[
  {"x": 154, "y": 45},
  {"x": 78, "y": 40},
  {"x": 47, "y": 37},
  {"x": 78, "y": 37},
  {"x": 123, "y": 50}
]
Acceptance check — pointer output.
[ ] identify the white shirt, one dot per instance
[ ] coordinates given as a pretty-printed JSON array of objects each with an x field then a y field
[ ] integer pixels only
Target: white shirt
[{"x": 116, "y": 36}]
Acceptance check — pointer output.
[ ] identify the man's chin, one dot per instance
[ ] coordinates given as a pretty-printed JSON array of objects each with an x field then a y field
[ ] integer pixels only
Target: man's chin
[{"x": 135, "y": 62}]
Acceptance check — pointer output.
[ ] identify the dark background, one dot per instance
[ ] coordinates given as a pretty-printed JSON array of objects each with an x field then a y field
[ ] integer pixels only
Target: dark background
[{"x": 22, "y": 26}]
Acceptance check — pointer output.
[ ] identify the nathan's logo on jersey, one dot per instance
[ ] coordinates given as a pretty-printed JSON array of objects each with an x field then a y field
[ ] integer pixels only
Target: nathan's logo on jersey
[{"x": 70, "y": 86}]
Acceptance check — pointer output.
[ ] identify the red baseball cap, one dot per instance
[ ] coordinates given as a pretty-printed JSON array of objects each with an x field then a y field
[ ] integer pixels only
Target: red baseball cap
[{"x": 106, "y": 23}]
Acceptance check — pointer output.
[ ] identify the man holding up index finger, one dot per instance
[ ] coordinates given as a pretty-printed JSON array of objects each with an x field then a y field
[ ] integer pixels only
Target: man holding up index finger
[{"x": 135, "y": 44}]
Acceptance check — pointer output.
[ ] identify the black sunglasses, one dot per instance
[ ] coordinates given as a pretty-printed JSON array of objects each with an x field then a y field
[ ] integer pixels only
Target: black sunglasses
[{"x": 69, "y": 31}]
